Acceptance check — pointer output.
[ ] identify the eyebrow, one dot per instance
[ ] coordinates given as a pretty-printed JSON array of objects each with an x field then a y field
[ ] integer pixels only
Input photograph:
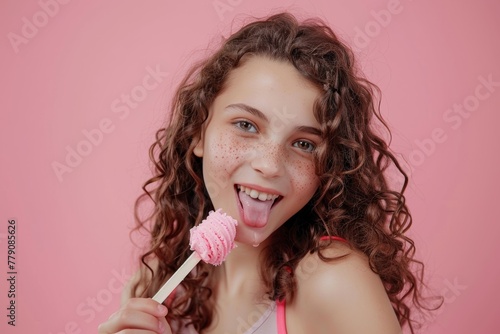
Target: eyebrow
[
  {"x": 249, "y": 109},
  {"x": 256, "y": 112}
]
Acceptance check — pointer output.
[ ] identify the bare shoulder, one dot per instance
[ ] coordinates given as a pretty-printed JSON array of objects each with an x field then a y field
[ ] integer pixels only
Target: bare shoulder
[
  {"x": 341, "y": 296},
  {"x": 135, "y": 282}
]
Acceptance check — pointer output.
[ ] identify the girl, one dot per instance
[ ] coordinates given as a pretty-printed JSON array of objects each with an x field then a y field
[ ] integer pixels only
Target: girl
[{"x": 276, "y": 129}]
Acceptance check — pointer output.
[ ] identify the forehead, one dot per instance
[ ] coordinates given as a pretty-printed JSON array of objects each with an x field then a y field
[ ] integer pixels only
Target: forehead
[{"x": 270, "y": 85}]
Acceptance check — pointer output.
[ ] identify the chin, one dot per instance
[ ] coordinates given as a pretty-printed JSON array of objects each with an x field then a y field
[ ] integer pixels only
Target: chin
[{"x": 252, "y": 237}]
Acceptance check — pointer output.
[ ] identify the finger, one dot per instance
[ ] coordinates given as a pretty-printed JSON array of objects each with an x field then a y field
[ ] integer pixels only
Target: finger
[
  {"x": 146, "y": 305},
  {"x": 137, "y": 313},
  {"x": 127, "y": 319}
]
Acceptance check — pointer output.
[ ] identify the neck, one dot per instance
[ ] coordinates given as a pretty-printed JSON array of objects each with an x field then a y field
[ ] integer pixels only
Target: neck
[{"x": 239, "y": 275}]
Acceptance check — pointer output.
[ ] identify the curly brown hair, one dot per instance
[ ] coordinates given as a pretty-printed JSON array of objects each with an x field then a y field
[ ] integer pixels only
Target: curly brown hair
[{"x": 354, "y": 199}]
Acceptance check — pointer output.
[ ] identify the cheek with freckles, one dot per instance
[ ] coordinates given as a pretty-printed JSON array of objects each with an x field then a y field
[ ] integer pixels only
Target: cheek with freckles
[
  {"x": 304, "y": 179},
  {"x": 223, "y": 154}
]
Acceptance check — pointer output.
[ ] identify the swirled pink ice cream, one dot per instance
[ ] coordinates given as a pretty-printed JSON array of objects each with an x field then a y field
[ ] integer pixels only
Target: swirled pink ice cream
[{"x": 213, "y": 239}]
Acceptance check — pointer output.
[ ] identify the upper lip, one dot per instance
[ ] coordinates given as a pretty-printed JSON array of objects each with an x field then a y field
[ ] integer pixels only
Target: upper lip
[{"x": 260, "y": 189}]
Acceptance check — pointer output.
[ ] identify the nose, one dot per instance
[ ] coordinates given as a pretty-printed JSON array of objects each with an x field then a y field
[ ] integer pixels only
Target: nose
[{"x": 268, "y": 160}]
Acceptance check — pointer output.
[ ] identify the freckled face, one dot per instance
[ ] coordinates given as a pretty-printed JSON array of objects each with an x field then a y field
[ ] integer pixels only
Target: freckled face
[{"x": 257, "y": 146}]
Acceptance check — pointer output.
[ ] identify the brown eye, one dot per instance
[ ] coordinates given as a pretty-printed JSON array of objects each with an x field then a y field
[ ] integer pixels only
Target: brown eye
[
  {"x": 305, "y": 146},
  {"x": 246, "y": 126}
]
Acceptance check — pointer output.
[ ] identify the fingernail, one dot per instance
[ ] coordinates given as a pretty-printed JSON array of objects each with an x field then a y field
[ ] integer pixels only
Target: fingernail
[{"x": 162, "y": 309}]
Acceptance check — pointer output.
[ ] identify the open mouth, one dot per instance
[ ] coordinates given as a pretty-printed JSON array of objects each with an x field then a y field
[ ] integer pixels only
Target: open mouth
[
  {"x": 259, "y": 195},
  {"x": 255, "y": 205}
]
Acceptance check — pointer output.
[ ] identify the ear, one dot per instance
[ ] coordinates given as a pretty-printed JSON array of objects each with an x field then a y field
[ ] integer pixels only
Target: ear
[
  {"x": 198, "y": 149},
  {"x": 200, "y": 139}
]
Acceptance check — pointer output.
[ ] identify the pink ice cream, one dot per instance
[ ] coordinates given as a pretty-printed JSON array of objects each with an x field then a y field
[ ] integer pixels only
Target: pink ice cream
[{"x": 213, "y": 239}]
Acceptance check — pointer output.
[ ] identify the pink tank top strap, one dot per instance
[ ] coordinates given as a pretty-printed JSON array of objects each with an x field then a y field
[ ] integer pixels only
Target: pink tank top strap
[
  {"x": 333, "y": 237},
  {"x": 281, "y": 316}
]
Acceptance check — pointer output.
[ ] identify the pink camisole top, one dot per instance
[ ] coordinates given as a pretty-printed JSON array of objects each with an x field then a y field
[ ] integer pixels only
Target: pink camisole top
[{"x": 273, "y": 318}]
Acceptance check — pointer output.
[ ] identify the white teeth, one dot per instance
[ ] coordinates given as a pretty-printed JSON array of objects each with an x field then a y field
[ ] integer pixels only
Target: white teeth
[{"x": 257, "y": 194}]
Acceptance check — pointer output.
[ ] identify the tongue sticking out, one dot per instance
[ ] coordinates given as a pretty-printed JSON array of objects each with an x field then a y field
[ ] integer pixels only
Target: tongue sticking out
[{"x": 255, "y": 211}]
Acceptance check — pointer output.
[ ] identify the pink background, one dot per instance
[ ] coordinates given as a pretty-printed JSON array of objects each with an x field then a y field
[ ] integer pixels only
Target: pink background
[{"x": 73, "y": 249}]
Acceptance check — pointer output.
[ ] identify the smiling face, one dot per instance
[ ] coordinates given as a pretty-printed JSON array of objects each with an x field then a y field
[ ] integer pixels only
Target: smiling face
[{"x": 257, "y": 146}]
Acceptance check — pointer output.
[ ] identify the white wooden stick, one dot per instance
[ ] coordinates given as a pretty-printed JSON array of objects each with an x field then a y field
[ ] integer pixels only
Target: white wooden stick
[{"x": 177, "y": 278}]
